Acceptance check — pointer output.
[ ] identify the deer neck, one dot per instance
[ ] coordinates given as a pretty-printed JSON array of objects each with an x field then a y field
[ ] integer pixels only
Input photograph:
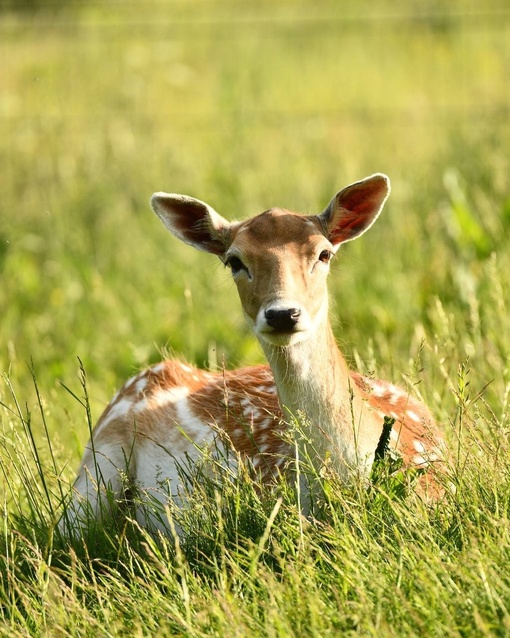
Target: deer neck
[{"x": 315, "y": 388}]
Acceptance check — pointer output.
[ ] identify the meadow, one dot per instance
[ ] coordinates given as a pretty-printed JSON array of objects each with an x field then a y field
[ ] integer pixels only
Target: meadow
[{"x": 246, "y": 106}]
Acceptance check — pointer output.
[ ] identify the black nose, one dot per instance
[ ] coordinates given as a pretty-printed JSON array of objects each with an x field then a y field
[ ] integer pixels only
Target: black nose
[{"x": 282, "y": 320}]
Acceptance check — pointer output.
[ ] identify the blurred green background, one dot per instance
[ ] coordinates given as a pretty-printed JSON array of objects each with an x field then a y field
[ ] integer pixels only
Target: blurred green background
[{"x": 249, "y": 105}]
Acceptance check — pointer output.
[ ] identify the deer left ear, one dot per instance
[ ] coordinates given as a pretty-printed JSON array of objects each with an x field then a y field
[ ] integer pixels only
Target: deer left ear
[{"x": 355, "y": 208}]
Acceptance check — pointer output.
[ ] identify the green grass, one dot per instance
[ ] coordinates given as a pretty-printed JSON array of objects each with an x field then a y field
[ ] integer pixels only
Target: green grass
[{"x": 248, "y": 105}]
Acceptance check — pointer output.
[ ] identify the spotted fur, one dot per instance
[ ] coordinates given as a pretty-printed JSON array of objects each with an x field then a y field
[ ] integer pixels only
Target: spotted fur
[{"x": 172, "y": 410}]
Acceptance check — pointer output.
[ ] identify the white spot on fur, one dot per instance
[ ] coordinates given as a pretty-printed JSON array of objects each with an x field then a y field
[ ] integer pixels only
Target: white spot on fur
[
  {"x": 378, "y": 390},
  {"x": 163, "y": 397},
  {"x": 197, "y": 430},
  {"x": 129, "y": 384},
  {"x": 265, "y": 448},
  {"x": 117, "y": 411},
  {"x": 419, "y": 447},
  {"x": 158, "y": 368},
  {"x": 245, "y": 404},
  {"x": 413, "y": 416},
  {"x": 141, "y": 384},
  {"x": 266, "y": 424},
  {"x": 418, "y": 459}
]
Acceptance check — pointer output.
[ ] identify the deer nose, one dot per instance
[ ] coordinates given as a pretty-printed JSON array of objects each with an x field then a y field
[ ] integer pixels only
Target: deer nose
[{"x": 282, "y": 320}]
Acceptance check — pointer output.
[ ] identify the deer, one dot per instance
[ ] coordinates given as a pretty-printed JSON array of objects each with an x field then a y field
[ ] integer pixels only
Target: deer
[{"x": 168, "y": 413}]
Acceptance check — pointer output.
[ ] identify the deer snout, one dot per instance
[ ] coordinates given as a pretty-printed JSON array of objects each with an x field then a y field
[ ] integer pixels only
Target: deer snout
[
  {"x": 282, "y": 323},
  {"x": 282, "y": 319}
]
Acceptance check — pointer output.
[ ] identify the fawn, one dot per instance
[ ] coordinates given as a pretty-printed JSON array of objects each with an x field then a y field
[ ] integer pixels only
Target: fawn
[{"x": 163, "y": 416}]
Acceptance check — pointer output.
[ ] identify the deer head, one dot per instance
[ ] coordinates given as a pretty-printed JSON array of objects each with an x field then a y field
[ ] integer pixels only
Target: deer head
[{"x": 279, "y": 259}]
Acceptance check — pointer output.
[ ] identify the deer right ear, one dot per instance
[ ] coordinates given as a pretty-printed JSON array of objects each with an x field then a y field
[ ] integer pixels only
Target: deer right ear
[{"x": 192, "y": 221}]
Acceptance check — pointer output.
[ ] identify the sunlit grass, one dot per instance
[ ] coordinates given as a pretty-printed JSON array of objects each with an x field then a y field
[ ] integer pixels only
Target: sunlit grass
[{"x": 374, "y": 561}]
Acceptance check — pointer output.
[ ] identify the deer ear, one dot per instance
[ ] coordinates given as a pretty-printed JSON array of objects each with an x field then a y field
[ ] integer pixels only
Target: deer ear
[
  {"x": 192, "y": 221},
  {"x": 355, "y": 208}
]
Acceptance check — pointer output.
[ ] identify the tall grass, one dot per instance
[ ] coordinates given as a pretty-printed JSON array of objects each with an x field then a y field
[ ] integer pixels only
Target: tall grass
[{"x": 247, "y": 106}]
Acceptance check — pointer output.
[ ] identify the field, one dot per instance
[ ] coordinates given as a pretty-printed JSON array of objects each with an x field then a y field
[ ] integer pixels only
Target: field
[{"x": 250, "y": 105}]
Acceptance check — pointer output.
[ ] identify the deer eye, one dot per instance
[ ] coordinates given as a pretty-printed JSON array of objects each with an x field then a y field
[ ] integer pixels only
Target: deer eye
[
  {"x": 325, "y": 256},
  {"x": 236, "y": 265}
]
